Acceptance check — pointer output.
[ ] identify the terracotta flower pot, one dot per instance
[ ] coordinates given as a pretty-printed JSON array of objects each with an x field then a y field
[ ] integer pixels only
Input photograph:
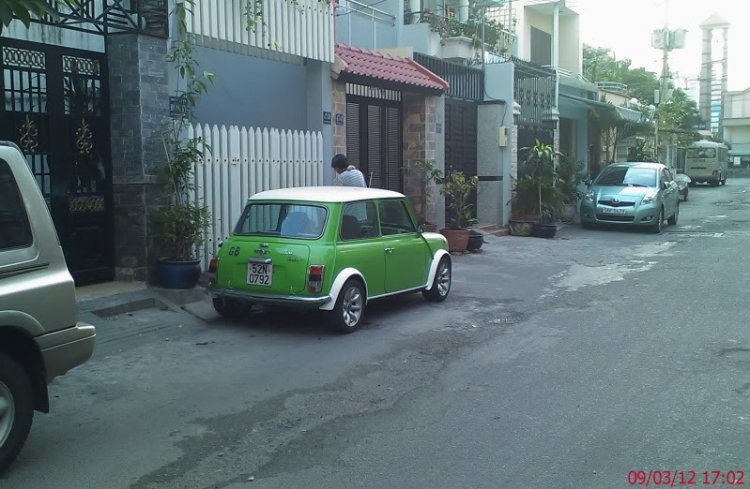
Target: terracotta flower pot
[{"x": 457, "y": 238}]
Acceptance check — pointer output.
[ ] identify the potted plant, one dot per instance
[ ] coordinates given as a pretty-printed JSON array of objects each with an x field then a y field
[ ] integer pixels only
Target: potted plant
[
  {"x": 182, "y": 223},
  {"x": 523, "y": 213},
  {"x": 428, "y": 175},
  {"x": 457, "y": 189},
  {"x": 539, "y": 170},
  {"x": 569, "y": 177}
]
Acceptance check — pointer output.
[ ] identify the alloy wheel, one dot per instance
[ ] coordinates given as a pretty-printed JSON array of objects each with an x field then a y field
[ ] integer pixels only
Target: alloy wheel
[
  {"x": 352, "y": 306},
  {"x": 444, "y": 279}
]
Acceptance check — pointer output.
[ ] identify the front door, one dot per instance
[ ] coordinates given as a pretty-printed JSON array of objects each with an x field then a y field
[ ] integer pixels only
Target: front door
[
  {"x": 404, "y": 248},
  {"x": 55, "y": 110},
  {"x": 373, "y": 140}
]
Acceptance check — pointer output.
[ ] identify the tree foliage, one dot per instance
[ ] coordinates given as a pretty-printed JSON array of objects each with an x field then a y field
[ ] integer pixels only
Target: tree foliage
[
  {"x": 600, "y": 65},
  {"x": 679, "y": 116}
]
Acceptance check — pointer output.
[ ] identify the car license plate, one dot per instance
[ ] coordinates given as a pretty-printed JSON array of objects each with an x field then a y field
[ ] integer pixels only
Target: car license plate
[
  {"x": 259, "y": 274},
  {"x": 609, "y": 210}
]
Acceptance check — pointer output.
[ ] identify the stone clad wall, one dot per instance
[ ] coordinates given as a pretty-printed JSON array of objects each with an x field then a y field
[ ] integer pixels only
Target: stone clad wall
[
  {"x": 339, "y": 107},
  {"x": 139, "y": 107},
  {"x": 420, "y": 144}
]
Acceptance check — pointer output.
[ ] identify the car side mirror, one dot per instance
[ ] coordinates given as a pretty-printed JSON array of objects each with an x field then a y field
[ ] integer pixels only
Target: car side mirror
[
  {"x": 588, "y": 182},
  {"x": 665, "y": 185},
  {"x": 420, "y": 228}
]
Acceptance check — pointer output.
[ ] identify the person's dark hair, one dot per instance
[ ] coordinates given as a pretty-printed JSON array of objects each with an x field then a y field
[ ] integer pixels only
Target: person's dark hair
[{"x": 340, "y": 161}]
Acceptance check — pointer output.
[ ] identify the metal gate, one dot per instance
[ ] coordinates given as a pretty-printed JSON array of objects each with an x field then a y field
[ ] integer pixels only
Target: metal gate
[
  {"x": 461, "y": 143},
  {"x": 55, "y": 109},
  {"x": 373, "y": 135}
]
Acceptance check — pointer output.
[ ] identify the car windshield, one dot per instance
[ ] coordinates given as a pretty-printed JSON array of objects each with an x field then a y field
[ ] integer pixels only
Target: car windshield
[
  {"x": 701, "y": 153},
  {"x": 283, "y": 220},
  {"x": 627, "y": 176}
]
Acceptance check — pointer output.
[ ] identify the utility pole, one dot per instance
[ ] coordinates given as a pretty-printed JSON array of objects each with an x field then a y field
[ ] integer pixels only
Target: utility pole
[{"x": 666, "y": 40}]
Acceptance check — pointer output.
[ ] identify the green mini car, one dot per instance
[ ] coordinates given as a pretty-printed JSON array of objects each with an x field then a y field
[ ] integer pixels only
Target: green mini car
[{"x": 328, "y": 248}]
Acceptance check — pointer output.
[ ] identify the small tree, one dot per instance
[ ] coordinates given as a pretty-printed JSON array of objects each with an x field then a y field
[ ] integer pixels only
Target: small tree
[
  {"x": 458, "y": 189},
  {"x": 539, "y": 165}
]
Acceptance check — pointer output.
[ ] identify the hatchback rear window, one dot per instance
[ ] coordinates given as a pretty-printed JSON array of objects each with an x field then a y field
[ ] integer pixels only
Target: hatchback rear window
[
  {"x": 701, "y": 153},
  {"x": 283, "y": 220},
  {"x": 627, "y": 176}
]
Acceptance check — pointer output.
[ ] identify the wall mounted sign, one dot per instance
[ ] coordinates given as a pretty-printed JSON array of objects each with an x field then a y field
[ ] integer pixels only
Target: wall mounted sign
[
  {"x": 326, "y": 118},
  {"x": 339, "y": 119},
  {"x": 178, "y": 107}
]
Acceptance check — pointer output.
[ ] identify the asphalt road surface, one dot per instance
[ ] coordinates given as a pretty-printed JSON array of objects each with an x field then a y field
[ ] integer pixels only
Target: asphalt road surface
[{"x": 553, "y": 364}]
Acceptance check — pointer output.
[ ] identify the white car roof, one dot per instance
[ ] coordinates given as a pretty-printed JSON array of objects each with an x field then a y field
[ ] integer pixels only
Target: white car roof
[{"x": 326, "y": 194}]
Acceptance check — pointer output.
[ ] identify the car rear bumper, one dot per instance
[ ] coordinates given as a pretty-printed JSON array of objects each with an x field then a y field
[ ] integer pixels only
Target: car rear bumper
[
  {"x": 641, "y": 215},
  {"x": 270, "y": 299},
  {"x": 66, "y": 349}
]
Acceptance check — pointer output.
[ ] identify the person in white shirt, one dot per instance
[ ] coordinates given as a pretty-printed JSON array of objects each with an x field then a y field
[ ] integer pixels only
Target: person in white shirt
[{"x": 346, "y": 174}]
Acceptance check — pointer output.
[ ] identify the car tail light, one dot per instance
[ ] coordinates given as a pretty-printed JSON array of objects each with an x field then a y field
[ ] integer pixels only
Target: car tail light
[
  {"x": 315, "y": 278},
  {"x": 212, "y": 270}
]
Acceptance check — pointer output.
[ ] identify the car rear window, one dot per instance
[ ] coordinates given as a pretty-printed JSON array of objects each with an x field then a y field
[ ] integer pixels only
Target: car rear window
[
  {"x": 283, "y": 220},
  {"x": 701, "y": 153},
  {"x": 15, "y": 231},
  {"x": 627, "y": 176}
]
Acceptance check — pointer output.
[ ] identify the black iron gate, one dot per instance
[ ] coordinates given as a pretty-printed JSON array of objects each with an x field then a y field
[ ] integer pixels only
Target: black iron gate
[
  {"x": 373, "y": 135},
  {"x": 55, "y": 109}
]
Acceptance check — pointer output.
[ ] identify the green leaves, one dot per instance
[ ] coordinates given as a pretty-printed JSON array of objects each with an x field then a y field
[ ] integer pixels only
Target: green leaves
[
  {"x": 458, "y": 189},
  {"x": 25, "y": 10}
]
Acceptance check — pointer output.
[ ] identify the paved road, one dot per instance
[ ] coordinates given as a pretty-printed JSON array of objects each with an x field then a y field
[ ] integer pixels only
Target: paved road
[{"x": 563, "y": 363}]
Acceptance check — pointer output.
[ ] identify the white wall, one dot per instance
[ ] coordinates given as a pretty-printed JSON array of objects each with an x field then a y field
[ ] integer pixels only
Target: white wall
[
  {"x": 737, "y": 104},
  {"x": 571, "y": 48},
  {"x": 737, "y": 134},
  {"x": 57, "y": 36}
]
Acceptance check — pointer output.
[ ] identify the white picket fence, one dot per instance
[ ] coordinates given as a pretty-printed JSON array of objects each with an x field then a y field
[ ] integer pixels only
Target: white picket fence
[
  {"x": 302, "y": 28},
  {"x": 240, "y": 162}
]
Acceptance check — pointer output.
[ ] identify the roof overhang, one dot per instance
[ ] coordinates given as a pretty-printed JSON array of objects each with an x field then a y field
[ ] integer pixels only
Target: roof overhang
[{"x": 384, "y": 70}]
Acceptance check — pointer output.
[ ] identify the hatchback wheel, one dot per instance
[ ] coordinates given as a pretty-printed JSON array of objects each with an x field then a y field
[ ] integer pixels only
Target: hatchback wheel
[
  {"x": 656, "y": 228},
  {"x": 441, "y": 284},
  {"x": 673, "y": 220},
  {"x": 16, "y": 409},
  {"x": 231, "y": 309},
  {"x": 349, "y": 310}
]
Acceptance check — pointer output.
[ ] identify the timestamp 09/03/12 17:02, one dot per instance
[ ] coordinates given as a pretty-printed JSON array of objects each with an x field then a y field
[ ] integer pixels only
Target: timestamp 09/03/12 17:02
[{"x": 672, "y": 478}]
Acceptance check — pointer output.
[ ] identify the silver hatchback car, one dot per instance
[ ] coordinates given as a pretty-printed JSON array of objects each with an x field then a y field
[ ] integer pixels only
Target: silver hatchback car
[{"x": 632, "y": 194}]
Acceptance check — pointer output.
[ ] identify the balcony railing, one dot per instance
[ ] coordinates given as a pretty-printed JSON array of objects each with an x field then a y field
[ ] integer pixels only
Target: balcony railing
[
  {"x": 287, "y": 31},
  {"x": 497, "y": 39},
  {"x": 112, "y": 16},
  {"x": 616, "y": 87}
]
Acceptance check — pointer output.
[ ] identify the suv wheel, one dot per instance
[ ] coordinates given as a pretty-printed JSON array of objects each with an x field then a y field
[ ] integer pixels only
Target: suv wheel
[
  {"x": 441, "y": 284},
  {"x": 349, "y": 310},
  {"x": 16, "y": 409}
]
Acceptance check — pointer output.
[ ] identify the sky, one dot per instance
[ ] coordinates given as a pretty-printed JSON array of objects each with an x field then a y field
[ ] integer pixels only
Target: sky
[{"x": 625, "y": 26}]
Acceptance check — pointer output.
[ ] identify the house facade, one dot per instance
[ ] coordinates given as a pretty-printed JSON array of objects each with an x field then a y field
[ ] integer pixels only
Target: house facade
[
  {"x": 736, "y": 125},
  {"x": 392, "y": 85},
  {"x": 88, "y": 97}
]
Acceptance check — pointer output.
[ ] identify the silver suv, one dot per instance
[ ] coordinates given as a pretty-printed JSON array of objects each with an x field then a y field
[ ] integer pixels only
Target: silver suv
[{"x": 39, "y": 336}]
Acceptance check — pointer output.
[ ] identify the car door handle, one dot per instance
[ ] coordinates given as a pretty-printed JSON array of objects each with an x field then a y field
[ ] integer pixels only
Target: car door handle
[{"x": 389, "y": 250}]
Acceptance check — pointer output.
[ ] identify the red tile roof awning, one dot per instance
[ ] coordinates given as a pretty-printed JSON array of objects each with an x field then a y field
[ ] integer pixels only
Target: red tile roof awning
[{"x": 390, "y": 71}]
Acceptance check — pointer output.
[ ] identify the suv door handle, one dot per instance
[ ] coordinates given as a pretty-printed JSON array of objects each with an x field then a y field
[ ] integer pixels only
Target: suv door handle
[{"x": 389, "y": 250}]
